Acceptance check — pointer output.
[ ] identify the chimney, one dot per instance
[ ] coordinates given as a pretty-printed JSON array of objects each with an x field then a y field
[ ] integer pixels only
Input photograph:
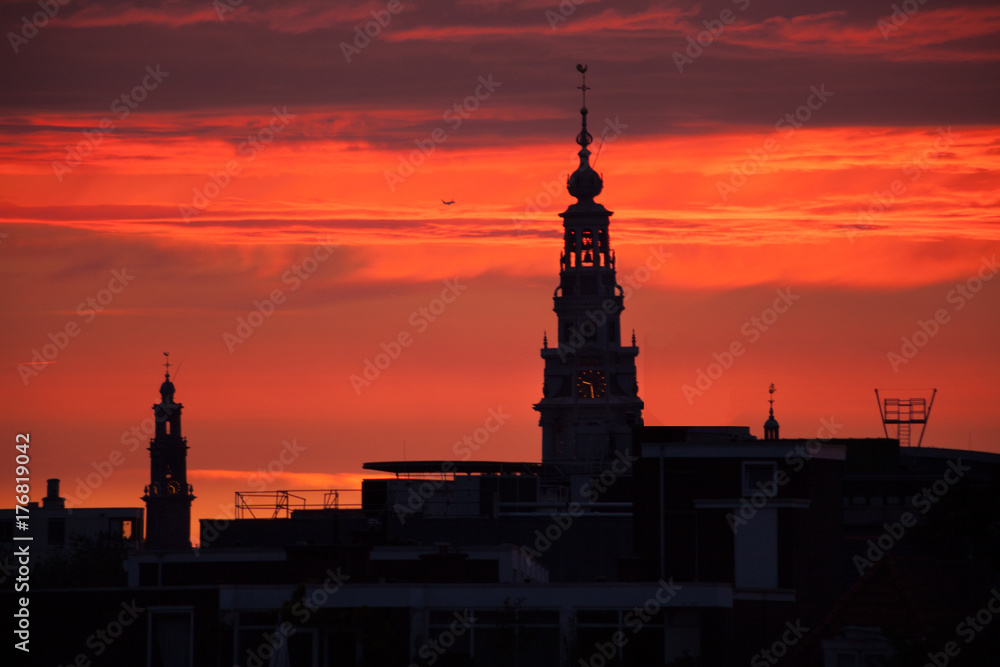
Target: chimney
[{"x": 52, "y": 499}]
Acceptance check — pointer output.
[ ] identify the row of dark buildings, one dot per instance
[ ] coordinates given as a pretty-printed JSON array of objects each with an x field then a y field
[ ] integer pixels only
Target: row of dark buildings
[{"x": 626, "y": 545}]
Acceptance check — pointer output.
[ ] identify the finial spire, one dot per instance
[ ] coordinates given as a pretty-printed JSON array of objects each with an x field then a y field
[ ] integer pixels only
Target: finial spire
[
  {"x": 584, "y": 183},
  {"x": 771, "y": 426},
  {"x": 584, "y": 138},
  {"x": 167, "y": 364}
]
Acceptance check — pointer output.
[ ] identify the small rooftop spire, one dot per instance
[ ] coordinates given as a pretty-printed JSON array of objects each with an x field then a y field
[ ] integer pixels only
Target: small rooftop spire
[
  {"x": 771, "y": 426},
  {"x": 167, "y": 364}
]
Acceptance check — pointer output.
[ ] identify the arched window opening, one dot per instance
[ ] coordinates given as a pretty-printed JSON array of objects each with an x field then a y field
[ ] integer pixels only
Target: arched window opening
[{"x": 587, "y": 245}]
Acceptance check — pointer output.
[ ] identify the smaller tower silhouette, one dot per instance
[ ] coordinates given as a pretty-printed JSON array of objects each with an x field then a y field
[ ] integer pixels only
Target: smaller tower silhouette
[
  {"x": 771, "y": 426},
  {"x": 168, "y": 496}
]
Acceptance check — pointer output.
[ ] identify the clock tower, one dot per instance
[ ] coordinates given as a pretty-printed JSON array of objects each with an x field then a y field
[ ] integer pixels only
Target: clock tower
[
  {"x": 168, "y": 496},
  {"x": 590, "y": 401}
]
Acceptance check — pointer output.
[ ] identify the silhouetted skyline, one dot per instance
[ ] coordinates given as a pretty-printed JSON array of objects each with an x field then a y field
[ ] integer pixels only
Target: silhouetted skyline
[{"x": 242, "y": 188}]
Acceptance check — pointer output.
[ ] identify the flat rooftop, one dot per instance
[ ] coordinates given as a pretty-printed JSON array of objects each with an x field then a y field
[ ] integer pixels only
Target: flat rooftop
[{"x": 455, "y": 467}]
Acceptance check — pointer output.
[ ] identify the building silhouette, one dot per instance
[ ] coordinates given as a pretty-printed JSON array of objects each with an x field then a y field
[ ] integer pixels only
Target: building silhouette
[
  {"x": 590, "y": 401},
  {"x": 771, "y": 426},
  {"x": 168, "y": 496},
  {"x": 53, "y": 525},
  {"x": 626, "y": 545}
]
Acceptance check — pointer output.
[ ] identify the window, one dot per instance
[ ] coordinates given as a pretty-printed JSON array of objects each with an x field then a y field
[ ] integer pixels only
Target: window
[
  {"x": 57, "y": 531},
  {"x": 170, "y": 637},
  {"x": 856, "y": 646},
  {"x": 860, "y": 659},
  {"x": 123, "y": 528},
  {"x": 757, "y": 476},
  {"x": 342, "y": 647},
  {"x": 587, "y": 242}
]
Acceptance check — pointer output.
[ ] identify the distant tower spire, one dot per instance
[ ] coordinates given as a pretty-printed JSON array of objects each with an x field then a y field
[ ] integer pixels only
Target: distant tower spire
[
  {"x": 771, "y": 426},
  {"x": 168, "y": 495}
]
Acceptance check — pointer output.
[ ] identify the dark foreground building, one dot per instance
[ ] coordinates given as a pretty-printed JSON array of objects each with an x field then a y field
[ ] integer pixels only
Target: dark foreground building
[{"x": 626, "y": 545}]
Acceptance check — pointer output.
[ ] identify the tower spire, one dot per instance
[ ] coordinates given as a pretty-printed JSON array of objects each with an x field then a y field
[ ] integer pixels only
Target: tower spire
[
  {"x": 771, "y": 426},
  {"x": 168, "y": 495},
  {"x": 590, "y": 398},
  {"x": 584, "y": 183}
]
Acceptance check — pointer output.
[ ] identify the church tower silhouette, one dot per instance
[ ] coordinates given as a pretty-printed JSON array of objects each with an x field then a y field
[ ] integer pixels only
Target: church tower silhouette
[
  {"x": 590, "y": 401},
  {"x": 168, "y": 496}
]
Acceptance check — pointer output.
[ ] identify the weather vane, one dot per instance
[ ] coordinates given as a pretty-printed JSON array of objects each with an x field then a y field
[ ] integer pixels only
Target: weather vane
[
  {"x": 167, "y": 364},
  {"x": 582, "y": 69}
]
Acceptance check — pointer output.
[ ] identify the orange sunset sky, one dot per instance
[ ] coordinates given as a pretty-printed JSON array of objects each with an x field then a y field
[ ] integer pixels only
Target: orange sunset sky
[{"x": 168, "y": 168}]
